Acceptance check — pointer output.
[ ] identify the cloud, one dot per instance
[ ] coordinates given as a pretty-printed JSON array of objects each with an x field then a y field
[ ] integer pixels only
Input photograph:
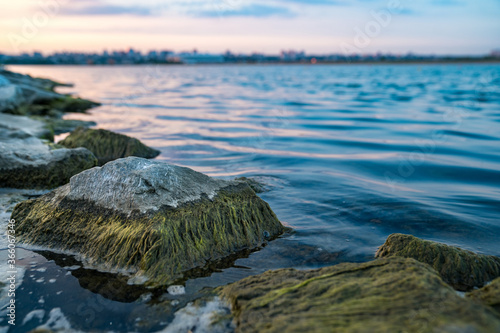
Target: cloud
[
  {"x": 108, "y": 10},
  {"x": 254, "y": 10}
]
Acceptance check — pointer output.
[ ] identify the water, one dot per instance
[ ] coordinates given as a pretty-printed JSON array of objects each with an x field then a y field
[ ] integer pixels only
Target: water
[{"x": 351, "y": 154}]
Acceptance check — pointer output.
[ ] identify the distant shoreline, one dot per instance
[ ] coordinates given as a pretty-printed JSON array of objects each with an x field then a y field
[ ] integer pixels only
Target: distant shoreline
[{"x": 406, "y": 62}]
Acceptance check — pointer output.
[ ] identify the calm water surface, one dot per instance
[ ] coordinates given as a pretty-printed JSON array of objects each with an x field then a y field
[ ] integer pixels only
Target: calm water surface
[{"x": 351, "y": 154}]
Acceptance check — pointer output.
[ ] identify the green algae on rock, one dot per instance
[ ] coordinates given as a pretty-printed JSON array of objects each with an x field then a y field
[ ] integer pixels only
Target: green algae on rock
[
  {"x": 108, "y": 146},
  {"x": 384, "y": 295},
  {"x": 488, "y": 295},
  {"x": 460, "y": 268},
  {"x": 148, "y": 217}
]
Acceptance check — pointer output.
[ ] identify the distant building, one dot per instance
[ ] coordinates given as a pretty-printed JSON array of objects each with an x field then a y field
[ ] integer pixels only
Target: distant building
[
  {"x": 198, "y": 58},
  {"x": 292, "y": 55}
]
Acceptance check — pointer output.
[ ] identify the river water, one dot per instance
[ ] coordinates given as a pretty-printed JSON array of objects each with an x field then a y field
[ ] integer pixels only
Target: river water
[{"x": 350, "y": 154}]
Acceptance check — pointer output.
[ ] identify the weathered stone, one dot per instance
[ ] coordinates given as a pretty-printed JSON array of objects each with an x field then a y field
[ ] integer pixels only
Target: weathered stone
[
  {"x": 462, "y": 269},
  {"x": 488, "y": 295},
  {"x": 156, "y": 219},
  {"x": 108, "y": 146},
  {"x": 24, "y": 95},
  {"x": 385, "y": 295},
  {"x": 40, "y": 83},
  {"x": 28, "y": 162},
  {"x": 11, "y": 98},
  {"x": 30, "y": 126},
  {"x": 254, "y": 185},
  {"x": 60, "y": 126}
]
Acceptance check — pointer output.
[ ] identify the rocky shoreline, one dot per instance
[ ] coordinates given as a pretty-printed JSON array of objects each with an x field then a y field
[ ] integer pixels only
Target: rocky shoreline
[{"x": 156, "y": 221}]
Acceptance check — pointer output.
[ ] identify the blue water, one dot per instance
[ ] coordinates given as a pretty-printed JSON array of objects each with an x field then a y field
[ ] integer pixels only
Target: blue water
[{"x": 351, "y": 153}]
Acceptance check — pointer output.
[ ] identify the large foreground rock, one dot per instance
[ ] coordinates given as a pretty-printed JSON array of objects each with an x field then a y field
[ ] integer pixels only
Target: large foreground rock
[
  {"x": 385, "y": 295},
  {"x": 462, "y": 269},
  {"x": 156, "y": 219},
  {"x": 108, "y": 146},
  {"x": 28, "y": 162}
]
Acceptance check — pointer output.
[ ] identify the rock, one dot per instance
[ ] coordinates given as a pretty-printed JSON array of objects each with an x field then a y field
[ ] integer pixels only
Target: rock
[
  {"x": 24, "y": 95},
  {"x": 488, "y": 295},
  {"x": 254, "y": 185},
  {"x": 460, "y": 268},
  {"x": 151, "y": 218},
  {"x": 28, "y": 162},
  {"x": 30, "y": 126},
  {"x": 60, "y": 126},
  {"x": 108, "y": 146},
  {"x": 40, "y": 83},
  {"x": 385, "y": 295},
  {"x": 11, "y": 98},
  {"x": 72, "y": 104}
]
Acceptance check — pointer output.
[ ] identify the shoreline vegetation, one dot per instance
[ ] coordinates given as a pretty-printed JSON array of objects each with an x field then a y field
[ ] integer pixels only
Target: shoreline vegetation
[{"x": 159, "y": 221}]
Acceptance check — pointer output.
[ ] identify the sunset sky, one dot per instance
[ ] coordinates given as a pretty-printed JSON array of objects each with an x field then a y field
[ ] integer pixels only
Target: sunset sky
[{"x": 317, "y": 26}]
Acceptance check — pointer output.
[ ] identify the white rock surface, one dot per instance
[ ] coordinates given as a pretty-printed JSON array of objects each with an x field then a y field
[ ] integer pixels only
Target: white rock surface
[{"x": 135, "y": 183}]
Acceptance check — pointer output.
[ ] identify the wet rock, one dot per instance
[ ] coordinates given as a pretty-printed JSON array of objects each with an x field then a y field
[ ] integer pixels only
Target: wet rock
[
  {"x": 385, "y": 295},
  {"x": 108, "y": 146},
  {"x": 28, "y": 162},
  {"x": 40, "y": 83},
  {"x": 11, "y": 97},
  {"x": 488, "y": 295},
  {"x": 150, "y": 218},
  {"x": 258, "y": 187},
  {"x": 24, "y": 95},
  {"x": 460, "y": 268},
  {"x": 30, "y": 126},
  {"x": 60, "y": 126}
]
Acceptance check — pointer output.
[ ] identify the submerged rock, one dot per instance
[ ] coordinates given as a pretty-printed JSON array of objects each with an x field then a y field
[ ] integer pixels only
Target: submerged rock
[
  {"x": 28, "y": 162},
  {"x": 488, "y": 295},
  {"x": 156, "y": 219},
  {"x": 108, "y": 146},
  {"x": 385, "y": 295},
  {"x": 460, "y": 268}
]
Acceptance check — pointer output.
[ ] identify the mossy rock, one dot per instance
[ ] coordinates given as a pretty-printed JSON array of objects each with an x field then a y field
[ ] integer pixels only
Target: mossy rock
[
  {"x": 151, "y": 218},
  {"x": 488, "y": 295},
  {"x": 462, "y": 269},
  {"x": 72, "y": 104},
  {"x": 385, "y": 295},
  {"x": 108, "y": 146}
]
